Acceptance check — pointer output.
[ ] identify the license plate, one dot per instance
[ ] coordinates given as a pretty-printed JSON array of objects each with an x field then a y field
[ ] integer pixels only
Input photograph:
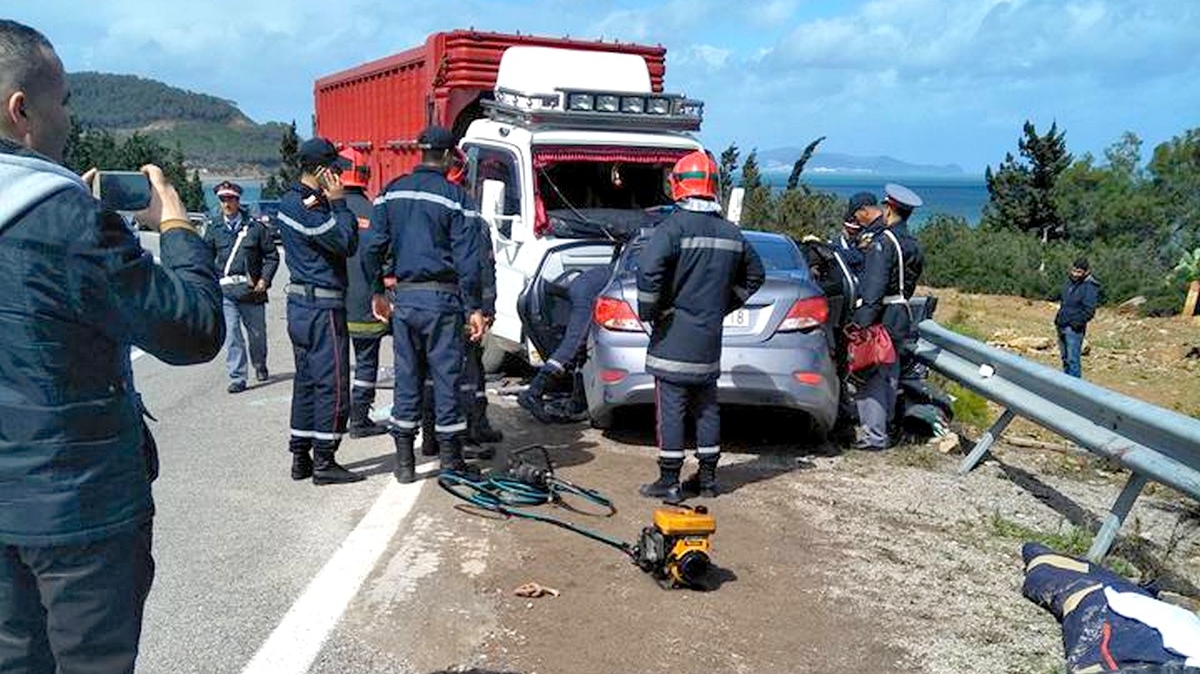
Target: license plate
[{"x": 737, "y": 319}]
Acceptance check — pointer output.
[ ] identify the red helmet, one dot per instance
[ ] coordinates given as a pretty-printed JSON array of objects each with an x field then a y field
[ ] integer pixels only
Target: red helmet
[
  {"x": 457, "y": 173},
  {"x": 695, "y": 175},
  {"x": 359, "y": 172}
]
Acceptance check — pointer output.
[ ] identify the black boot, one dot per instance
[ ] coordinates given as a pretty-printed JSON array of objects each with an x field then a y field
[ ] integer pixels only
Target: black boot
[
  {"x": 429, "y": 440},
  {"x": 531, "y": 397},
  {"x": 328, "y": 471},
  {"x": 704, "y": 481},
  {"x": 480, "y": 428},
  {"x": 474, "y": 450},
  {"x": 302, "y": 465},
  {"x": 666, "y": 488},
  {"x": 450, "y": 458},
  {"x": 361, "y": 424},
  {"x": 405, "y": 461}
]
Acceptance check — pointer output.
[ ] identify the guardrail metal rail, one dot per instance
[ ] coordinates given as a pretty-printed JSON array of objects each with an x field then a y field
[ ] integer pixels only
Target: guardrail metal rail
[{"x": 1153, "y": 443}]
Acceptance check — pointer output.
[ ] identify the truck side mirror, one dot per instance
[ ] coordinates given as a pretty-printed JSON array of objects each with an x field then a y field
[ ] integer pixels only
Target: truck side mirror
[
  {"x": 491, "y": 207},
  {"x": 733, "y": 211}
]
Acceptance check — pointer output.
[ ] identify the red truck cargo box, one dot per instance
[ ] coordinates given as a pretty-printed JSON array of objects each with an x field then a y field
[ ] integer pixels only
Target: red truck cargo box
[{"x": 381, "y": 106}]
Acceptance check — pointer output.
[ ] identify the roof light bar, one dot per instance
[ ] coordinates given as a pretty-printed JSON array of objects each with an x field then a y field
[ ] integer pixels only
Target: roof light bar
[{"x": 576, "y": 107}]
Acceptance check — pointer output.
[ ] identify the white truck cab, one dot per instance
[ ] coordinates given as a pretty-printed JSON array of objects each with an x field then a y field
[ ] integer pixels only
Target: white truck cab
[{"x": 568, "y": 134}]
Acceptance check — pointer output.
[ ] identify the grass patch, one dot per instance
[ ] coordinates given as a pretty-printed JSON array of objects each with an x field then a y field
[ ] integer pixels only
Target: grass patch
[
  {"x": 920, "y": 456},
  {"x": 959, "y": 322},
  {"x": 1071, "y": 541},
  {"x": 969, "y": 407}
]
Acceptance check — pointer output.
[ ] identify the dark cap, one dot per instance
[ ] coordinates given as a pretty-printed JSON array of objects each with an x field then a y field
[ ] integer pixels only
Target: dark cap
[
  {"x": 901, "y": 197},
  {"x": 858, "y": 201},
  {"x": 227, "y": 188},
  {"x": 435, "y": 138},
  {"x": 320, "y": 152},
  {"x": 1081, "y": 264}
]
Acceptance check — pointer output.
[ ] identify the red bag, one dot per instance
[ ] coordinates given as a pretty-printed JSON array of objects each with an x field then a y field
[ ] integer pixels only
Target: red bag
[{"x": 868, "y": 347}]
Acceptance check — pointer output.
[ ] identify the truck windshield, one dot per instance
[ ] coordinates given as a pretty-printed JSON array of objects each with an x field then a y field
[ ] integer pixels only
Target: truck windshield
[{"x": 603, "y": 184}]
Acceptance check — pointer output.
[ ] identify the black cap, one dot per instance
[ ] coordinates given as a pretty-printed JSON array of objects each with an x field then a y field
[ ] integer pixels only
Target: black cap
[
  {"x": 1081, "y": 264},
  {"x": 435, "y": 138},
  {"x": 320, "y": 152},
  {"x": 227, "y": 188},
  {"x": 858, "y": 201}
]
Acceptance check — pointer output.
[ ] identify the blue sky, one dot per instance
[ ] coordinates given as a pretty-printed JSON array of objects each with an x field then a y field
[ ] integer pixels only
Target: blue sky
[{"x": 925, "y": 81}]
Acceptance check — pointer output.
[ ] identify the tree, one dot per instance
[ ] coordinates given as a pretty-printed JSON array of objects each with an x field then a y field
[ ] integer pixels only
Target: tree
[
  {"x": 289, "y": 164},
  {"x": 729, "y": 164},
  {"x": 758, "y": 205},
  {"x": 1174, "y": 172},
  {"x": 798, "y": 168},
  {"x": 1021, "y": 194}
]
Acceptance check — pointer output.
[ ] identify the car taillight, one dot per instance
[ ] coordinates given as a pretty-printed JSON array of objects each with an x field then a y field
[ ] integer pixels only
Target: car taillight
[
  {"x": 615, "y": 314},
  {"x": 804, "y": 314}
]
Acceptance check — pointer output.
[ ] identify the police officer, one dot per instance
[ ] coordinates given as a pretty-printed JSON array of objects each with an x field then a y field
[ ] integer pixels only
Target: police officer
[
  {"x": 582, "y": 293},
  {"x": 892, "y": 266},
  {"x": 365, "y": 329},
  {"x": 696, "y": 268},
  {"x": 432, "y": 231},
  {"x": 319, "y": 233},
  {"x": 847, "y": 243},
  {"x": 246, "y": 258}
]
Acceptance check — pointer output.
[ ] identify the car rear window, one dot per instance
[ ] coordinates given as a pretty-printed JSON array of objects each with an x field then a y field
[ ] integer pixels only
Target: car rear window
[{"x": 778, "y": 255}]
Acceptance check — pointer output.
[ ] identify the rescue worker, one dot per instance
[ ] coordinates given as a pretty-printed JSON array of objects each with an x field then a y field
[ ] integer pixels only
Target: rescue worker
[
  {"x": 432, "y": 231},
  {"x": 582, "y": 293},
  {"x": 892, "y": 266},
  {"x": 366, "y": 330},
  {"x": 696, "y": 268},
  {"x": 247, "y": 260},
  {"x": 76, "y": 458},
  {"x": 319, "y": 234}
]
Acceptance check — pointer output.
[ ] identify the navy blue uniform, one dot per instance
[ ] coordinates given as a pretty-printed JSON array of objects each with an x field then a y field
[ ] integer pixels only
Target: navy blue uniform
[
  {"x": 893, "y": 265},
  {"x": 318, "y": 236},
  {"x": 472, "y": 394},
  {"x": 366, "y": 331},
  {"x": 432, "y": 231},
  {"x": 76, "y": 459},
  {"x": 696, "y": 268}
]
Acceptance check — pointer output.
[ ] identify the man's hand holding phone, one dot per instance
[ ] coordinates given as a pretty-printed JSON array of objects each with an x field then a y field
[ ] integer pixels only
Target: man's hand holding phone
[
  {"x": 331, "y": 183},
  {"x": 150, "y": 195}
]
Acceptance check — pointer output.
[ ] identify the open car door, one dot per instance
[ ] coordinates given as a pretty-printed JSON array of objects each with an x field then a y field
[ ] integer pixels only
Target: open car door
[{"x": 545, "y": 305}]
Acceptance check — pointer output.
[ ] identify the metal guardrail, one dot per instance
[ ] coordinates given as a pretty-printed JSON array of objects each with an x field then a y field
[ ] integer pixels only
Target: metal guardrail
[{"x": 1153, "y": 443}]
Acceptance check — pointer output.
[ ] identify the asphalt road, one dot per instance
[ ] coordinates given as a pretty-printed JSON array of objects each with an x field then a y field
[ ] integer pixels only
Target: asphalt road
[{"x": 258, "y": 574}]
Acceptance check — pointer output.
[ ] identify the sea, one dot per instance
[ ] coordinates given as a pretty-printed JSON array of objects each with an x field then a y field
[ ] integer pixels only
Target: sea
[{"x": 961, "y": 196}]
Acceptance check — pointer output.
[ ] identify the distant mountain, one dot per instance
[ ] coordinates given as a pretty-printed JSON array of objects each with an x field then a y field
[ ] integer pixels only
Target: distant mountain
[
  {"x": 214, "y": 134},
  {"x": 780, "y": 160}
]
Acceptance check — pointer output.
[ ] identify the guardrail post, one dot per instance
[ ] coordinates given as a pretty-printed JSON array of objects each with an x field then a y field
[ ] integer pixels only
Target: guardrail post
[
  {"x": 985, "y": 442},
  {"x": 1113, "y": 521}
]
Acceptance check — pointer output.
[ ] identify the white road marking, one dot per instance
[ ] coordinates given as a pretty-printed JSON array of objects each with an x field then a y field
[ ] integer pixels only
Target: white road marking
[
  {"x": 299, "y": 637},
  {"x": 135, "y": 353}
]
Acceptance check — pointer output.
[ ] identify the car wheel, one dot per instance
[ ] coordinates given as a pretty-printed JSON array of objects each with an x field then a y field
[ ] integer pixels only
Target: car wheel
[{"x": 601, "y": 420}]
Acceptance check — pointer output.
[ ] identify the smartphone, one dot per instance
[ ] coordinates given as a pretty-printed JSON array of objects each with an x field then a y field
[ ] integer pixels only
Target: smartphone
[{"x": 122, "y": 190}]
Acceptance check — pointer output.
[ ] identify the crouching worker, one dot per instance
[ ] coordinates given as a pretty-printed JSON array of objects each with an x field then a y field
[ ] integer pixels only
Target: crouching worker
[
  {"x": 567, "y": 358},
  {"x": 696, "y": 268}
]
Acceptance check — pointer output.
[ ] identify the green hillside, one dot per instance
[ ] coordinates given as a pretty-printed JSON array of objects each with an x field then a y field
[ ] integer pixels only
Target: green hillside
[{"x": 213, "y": 133}]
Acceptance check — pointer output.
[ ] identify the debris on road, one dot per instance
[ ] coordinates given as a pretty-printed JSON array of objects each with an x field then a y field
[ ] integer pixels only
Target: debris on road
[{"x": 533, "y": 590}]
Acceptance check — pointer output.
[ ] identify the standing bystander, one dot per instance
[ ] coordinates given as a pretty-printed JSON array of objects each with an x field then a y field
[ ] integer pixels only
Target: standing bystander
[
  {"x": 1080, "y": 294},
  {"x": 76, "y": 458}
]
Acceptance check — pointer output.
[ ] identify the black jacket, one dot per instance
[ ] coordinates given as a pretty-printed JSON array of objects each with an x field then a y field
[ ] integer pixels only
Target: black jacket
[
  {"x": 318, "y": 236},
  {"x": 1079, "y": 299},
  {"x": 433, "y": 233},
  {"x": 242, "y": 256},
  {"x": 78, "y": 291},
  {"x": 881, "y": 299},
  {"x": 696, "y": 268}
]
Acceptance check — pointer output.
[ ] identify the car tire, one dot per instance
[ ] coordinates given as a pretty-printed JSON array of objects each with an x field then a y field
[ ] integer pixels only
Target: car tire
[{"x": 601, "y": 420}]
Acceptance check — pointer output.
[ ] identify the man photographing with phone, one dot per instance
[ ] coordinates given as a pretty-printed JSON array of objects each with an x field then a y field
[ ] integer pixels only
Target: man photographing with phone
[
  {"x": 76, "y": 459},
  {"x": 319, "y": 232}
]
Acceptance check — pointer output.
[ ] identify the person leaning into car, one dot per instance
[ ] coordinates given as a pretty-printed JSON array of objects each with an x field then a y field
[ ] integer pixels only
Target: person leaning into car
[{"x": 246, "y": 262}]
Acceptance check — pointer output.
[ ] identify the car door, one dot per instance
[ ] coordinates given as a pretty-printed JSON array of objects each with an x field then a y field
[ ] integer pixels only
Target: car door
[{"x": 544, "y": 306}]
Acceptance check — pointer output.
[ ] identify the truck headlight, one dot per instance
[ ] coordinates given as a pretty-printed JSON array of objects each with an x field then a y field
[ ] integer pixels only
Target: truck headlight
[
  {"x": 607, "y": 103},
  {"x": 658, "y": 106},
  {"x": 633, "y": 104}
]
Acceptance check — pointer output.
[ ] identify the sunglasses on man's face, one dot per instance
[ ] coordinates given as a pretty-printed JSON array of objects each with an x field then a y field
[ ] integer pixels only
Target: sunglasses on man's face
[{"x": 228, "y": 199}]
